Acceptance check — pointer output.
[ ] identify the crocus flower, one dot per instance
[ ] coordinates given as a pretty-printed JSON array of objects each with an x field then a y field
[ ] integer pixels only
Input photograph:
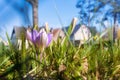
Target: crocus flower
[{"x": 39, "y": 39}]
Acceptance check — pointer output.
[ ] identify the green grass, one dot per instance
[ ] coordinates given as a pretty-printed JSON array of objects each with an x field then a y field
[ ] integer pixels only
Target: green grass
[{"x": 61, "y": 60}]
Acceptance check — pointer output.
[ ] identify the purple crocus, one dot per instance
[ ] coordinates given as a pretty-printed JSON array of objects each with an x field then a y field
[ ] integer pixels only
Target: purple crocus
[{"x": 39, "y": 39}]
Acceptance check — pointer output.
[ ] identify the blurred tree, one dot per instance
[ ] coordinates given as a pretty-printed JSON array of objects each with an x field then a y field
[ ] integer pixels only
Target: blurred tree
[
  {"x": 102, "y": 10},
  {"x": 86, "y": 12},
  {"x": 113, "y": 11}
]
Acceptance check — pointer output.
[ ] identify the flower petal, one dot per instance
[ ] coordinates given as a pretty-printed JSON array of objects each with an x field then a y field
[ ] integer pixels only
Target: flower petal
[
  {"x": 44, "y": 39},
  {"x": 49, "y": 39},
  {"x": 39, "y": 39},
  {"x": 34, "y": 35},
  {"x": 42, "y": 30},
  {"x": 29, "y": 35}
]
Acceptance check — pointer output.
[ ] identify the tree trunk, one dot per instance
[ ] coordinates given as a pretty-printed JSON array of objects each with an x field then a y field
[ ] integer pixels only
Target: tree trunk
[
  {"x": 35, "y": 15},
  {"x": 34, "y": 4},
  {"x": 114, "y": 31}
]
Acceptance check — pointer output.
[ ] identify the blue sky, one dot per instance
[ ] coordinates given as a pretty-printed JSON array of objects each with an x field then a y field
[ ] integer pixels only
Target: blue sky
[{"x": 10, "y": 17}]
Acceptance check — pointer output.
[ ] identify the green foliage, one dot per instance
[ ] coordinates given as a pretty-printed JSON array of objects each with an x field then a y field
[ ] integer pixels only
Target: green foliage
[{"x": 61, "y": 60}]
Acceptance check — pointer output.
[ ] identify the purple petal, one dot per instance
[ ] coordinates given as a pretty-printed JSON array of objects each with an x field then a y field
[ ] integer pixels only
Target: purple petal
[
  {"x": 49, "y": 38},
  {"x": 38, "y": 39},
  {"x": 34, "y": 35},
  {"x": 29, "y": 36}
]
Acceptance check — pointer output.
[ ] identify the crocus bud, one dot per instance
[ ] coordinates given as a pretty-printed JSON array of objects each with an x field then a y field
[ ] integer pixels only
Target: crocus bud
[
  {"x": 47, "y": 27},
  {"x": 43, "y": 39},
  {"x": 39, "y": 39}
]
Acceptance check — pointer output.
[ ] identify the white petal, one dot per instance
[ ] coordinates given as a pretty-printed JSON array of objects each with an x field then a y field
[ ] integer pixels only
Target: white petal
[{"x": 43, "y": 39}]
